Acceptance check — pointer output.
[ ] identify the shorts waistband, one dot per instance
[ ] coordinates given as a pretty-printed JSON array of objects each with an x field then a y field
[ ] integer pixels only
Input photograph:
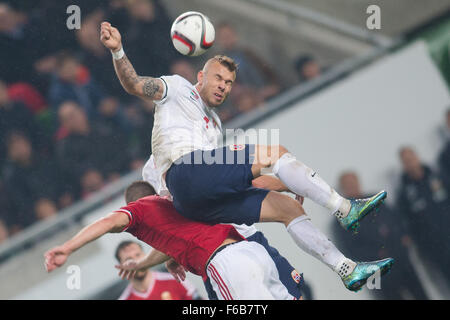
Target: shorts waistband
[{"x": 217, "y": 251}]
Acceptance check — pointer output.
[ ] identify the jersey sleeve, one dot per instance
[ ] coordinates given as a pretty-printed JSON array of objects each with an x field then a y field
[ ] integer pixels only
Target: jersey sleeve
[
  {"x": 171, "y": 86},
  {"x": 133, "y": 212}
]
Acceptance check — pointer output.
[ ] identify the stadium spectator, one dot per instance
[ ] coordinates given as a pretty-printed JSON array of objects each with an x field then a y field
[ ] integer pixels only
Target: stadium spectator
[
  {"x": 307, "y": 68},
  {"x": 15, "y": 116},
  {"x": 14, "y": 60},
  {"x": 45, "y": 208},
  {"x": 380, "y": 235},
  {"x": 140, "y": 116},
  {"x": 147, "y": 24},
  {"x": 185, "y": 69},
  {"x": 95, "y": 56},
  {"x": 111, "y": 115},
  {"x": 83, "y": 145},
  {"x": 424, "y": 199},
  {"x": 24, "y": 174},
  {"x": 151, "y": 285},
  {"x": 91, "y": 181},
  {"x": 254, "y": 72},
  {"x": 28, "y": 95},
  {"x": 73, "y": 81}
]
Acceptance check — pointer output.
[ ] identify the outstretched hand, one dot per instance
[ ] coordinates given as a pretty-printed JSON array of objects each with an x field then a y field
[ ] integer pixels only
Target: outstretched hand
[
  {"x": 176, "y": 270},
  {"x": 55, "y": 258},
  {"x": 128, "y": 269},
  {"x": 110, "y": 36}
]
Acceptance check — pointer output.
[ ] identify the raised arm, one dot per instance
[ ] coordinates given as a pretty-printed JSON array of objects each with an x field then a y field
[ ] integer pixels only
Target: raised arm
[
  {"x": 56, "y": 257},
  {"x": 143, "y": 87}
]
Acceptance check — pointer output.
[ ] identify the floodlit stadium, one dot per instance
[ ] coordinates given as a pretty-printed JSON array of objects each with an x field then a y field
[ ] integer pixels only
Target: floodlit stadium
[{"x": 357, "y": 90}]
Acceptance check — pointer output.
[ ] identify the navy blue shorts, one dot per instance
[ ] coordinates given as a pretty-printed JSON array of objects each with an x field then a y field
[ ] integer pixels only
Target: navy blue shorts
[
  {"x": 216, "y": 186},
  {"x": 289, "y": 277}
]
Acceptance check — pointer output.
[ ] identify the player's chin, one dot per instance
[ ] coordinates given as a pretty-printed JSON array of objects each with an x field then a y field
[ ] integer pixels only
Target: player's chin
[
  {"x": 140, "y": 275},
  {"x": 215, "y": 102}
]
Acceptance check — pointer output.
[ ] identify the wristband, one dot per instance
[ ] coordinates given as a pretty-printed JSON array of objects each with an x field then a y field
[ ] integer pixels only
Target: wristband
[{"x": 118, "y": 54}]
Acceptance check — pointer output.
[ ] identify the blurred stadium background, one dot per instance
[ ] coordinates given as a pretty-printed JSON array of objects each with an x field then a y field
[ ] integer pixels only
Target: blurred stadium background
[{"x": 346, "y": 100}]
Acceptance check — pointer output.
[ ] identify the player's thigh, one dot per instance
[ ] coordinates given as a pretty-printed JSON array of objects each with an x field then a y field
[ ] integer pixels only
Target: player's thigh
[
  {"x": 278, "y": 207},
  {"x": 271, "y": 278},
  {"x": 288, "y": 275}
]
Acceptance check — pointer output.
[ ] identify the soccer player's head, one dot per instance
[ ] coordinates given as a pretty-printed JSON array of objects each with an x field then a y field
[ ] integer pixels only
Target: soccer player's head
[
  {"x": 216, "y": 79},
  {"x": 410, "y": 161},
  {"x": 137, "y": 190},
  {"x": 349, "y": 185},
  {"x": 127, "y": 250}
]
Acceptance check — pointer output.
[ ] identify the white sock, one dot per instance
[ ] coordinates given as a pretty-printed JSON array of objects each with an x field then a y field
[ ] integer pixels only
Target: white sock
[
  {"x": 314, "y": 242},
  {"x": 306, "y": 182}
]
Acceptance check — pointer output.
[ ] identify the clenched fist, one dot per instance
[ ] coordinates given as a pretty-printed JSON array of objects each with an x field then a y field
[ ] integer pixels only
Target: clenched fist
[{"x": 110, "y": 37}]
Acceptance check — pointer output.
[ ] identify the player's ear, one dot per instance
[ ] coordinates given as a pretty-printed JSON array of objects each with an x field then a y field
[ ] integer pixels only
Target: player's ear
[{"x": 200, "y": 75}]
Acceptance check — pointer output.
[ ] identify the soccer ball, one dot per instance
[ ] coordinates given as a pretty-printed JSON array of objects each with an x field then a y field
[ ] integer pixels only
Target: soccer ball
[{"x": 192, "y": 33}]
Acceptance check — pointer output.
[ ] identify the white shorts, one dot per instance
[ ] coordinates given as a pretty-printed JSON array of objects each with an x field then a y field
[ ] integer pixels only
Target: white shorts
[{"x": 245, "y": 271}]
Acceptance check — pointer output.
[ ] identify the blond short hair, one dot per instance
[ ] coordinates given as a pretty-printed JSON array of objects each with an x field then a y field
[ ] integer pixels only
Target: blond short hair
[{"x": 225, "y": 61}]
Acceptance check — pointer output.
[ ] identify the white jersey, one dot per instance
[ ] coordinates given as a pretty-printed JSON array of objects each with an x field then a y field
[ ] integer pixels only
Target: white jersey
[
  {"x": 182, "y": 123},
  {"x": 151, "y": 174}
]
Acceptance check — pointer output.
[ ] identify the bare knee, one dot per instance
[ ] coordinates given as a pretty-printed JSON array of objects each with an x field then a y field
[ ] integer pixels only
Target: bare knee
[
  {"x": 268, "y": 155},
  {"x": 281, "y": 208},
  {"x": 282, "y": 150},
  {"x": 275, "y": 152},
  {"x": 293, "y": 211}
]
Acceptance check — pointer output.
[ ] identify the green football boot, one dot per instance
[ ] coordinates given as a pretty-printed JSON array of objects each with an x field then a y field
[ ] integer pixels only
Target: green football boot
[
  {"x": 364, "y": 270},
  {"x": 359, "y": 209}
]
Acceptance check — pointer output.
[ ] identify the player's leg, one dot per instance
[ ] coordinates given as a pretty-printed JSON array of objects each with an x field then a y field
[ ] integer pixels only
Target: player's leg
[
  {"x": 272, "y": 278},
  {"x": 277, "y": 207},
  {"x": 298, "y": 177},
  {"x": 306, "y": 182}
]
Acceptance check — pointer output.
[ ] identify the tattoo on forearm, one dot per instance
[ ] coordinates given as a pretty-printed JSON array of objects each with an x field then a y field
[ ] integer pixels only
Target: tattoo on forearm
[
  {"x": 129, "y": 78},
  {"x": 125, "y": 71},
  {"x": 151, "y": 87}
]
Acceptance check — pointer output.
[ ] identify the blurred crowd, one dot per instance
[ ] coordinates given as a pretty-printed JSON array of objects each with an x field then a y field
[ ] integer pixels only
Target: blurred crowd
[
  {"x": 419, "y": 219},
  {"x": 67, "y": 128}
]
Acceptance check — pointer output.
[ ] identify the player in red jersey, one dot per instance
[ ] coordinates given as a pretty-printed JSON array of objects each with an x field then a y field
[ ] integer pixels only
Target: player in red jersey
[
  {"x": 151, "y": 285},
  {"x": 239, "y": 269}
]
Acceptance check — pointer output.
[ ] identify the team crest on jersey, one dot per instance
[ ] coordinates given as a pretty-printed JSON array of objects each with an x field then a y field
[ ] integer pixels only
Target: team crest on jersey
[
  {"x": 296, "y": 276},
  {"x": 194, "y": 95},
  {"x": 237, "y": 147}
]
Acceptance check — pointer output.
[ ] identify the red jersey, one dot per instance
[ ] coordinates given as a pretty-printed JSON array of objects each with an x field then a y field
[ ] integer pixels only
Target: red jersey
[
  {"x": 162, "y": 286},
  {"x": 155, "y": 221}
]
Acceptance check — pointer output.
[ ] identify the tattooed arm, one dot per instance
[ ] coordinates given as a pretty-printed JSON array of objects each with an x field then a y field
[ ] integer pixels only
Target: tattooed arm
[{"x": 144, "y": 87}]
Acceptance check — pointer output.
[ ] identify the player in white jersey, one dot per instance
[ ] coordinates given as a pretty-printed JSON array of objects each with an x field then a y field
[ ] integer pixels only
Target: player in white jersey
[
  {"x": 221, "y": 191},
  {"x": 288, "y": 275}
]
